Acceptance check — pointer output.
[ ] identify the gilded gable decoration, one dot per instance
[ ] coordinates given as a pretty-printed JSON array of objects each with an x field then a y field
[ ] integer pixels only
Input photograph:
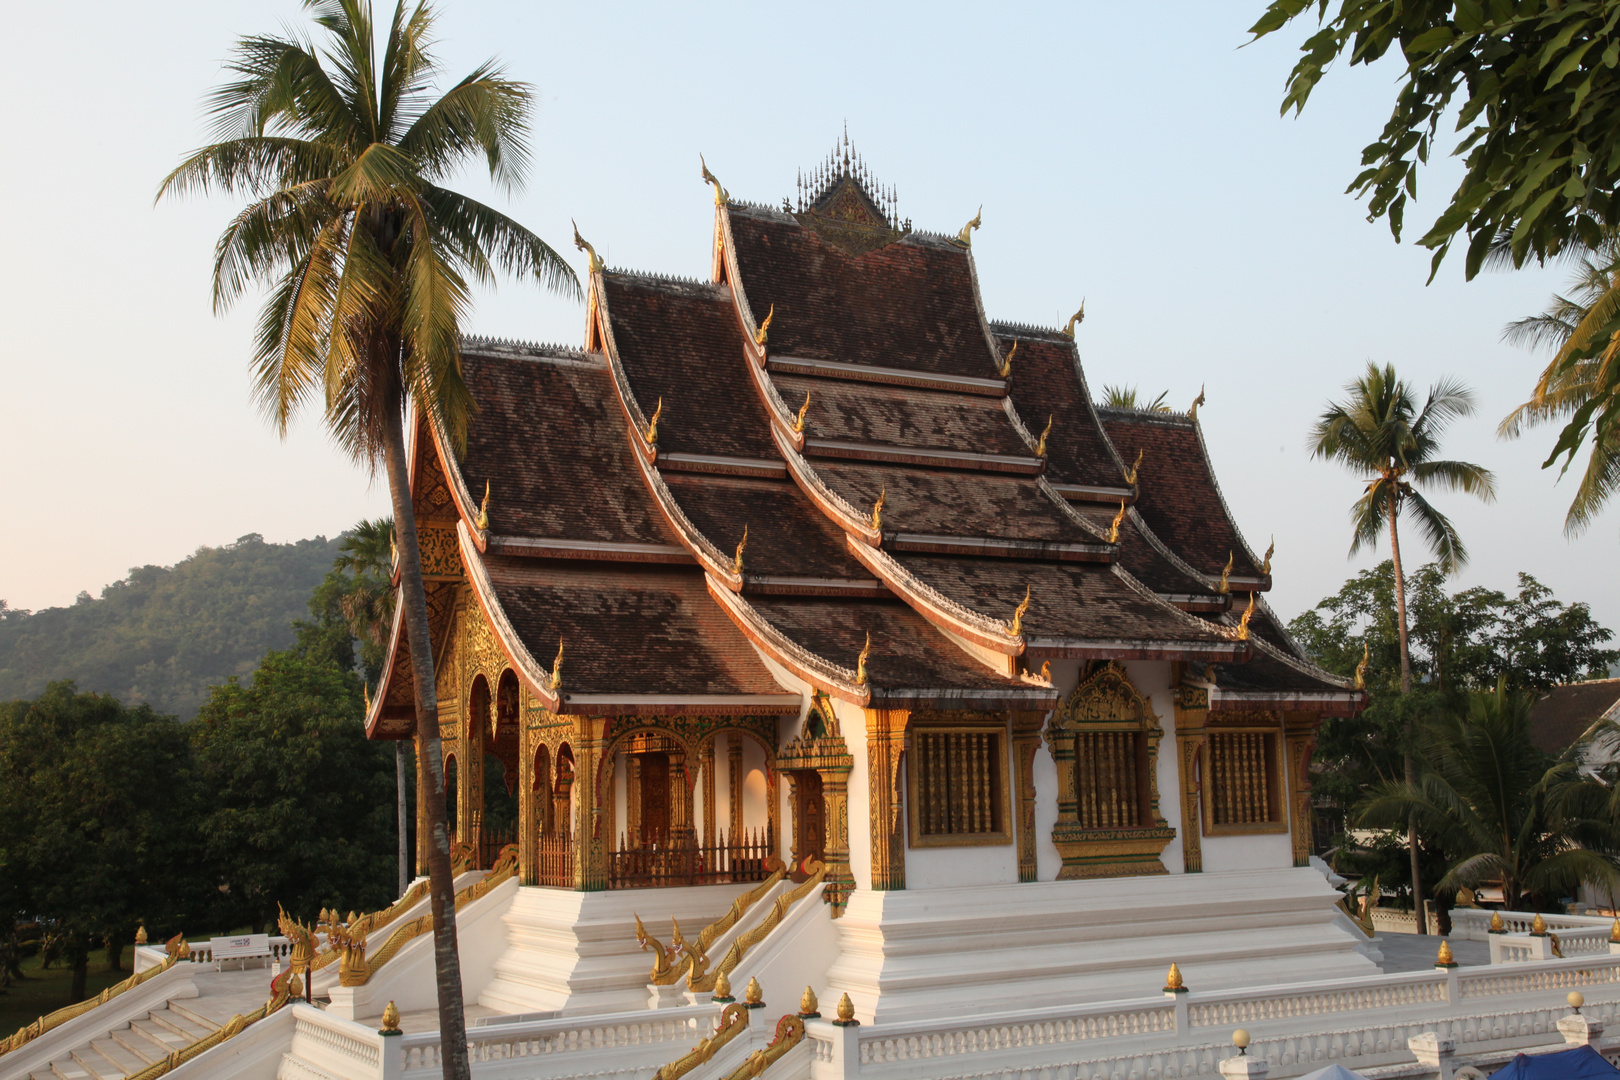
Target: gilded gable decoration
[{"x": 842, "y": 203}]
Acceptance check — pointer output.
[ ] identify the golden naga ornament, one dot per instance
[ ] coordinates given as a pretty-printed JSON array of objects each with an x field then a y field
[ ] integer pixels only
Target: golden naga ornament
[
  {"x": 481, "y": 523},
  {"x": 1075, "y": 320},
  {"x": 1046, "y": 672},
  {"x": 596, "y": 265},
  {"x": 720, "y": 196},
  {"x": 1019, "y": 612},
  {"x": 1006, "y": 363},
  {"x": 555, "y": 682},
  {"x": 1173, "y": 983},
  {"x": 798, "y": 425},
  {"x": 1361, "y": 684},
  {"x": 877, "y": 508},
  {"x": 1265, "y": 564},
  {"x": 651, "y": 436},
  {"x": 808, "y": 1005},
  {"x": 1040, "y": 447},
  {"x": 1226, "y": 574},
  {"x": 1134, "y": 470},
  {"x": 764, "y": 327},
  {"x": 860, "y": 661},
  {"x": 1243, "y": 621},
  {"x": 965, "y": 237},
  {"x": 742, "y": 545},
  {"x": 1119, "y": 519},
  {"x": 390, "y": 1020},
  {"x": 1192, "y": 413},
  {"x": 754, "y": 994}
]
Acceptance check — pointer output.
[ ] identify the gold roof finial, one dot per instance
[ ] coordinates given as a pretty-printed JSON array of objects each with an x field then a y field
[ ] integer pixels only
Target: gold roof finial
[
  {"x": 846, "y": 1009},
  {"x": 965, "y": 237},
  {"x": 1226, "y": 573},
  {"x": 798, "y": 425},
  {"x": 1119, "y": 519},
  {"x": 390, "y": 1019},
  {"x": 1444, "y": 957},
  {"x": 1046, "y": 670},
  {"x": 595, "y": 264},
  {"x": 556, "y": 668},
  {"x": 365, "y": 688},
  {"x": 651, "y": 435},
  {"x": 720, "y": 196},
  {"x": 1538, "y": 927},
  {"x": 482, "y": 521},
  {"x": 877, "y": 508},
  {"x": 1361, "y": 684},
  {"x": 1020, "y": 612},
  {"x": 1135, "y": 469},
  {"x": 808, "y": 1005},
  {"x": 860, "y": 661},
  {"x": 764, "y": 327},
  {"x": 753, "y": 994},
  {"x": 1265, "y": 564},
  {"x": 1075, "y": 320},
  {"x": 1040, "y": 447},
  {"x": 1172, "y": 981},
  {"x": 742, "y": 545},
  {"x": 1498, "y": 926},
  {"x": 1197, "y": 401},
  {"x": 1006, "y": 364},
  {"x": 1243, "y": 622}
]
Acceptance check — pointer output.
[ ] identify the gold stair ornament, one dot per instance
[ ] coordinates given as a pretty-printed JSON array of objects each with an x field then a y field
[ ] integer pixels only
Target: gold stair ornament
[
  {"x": 722, "y": 988},
  {"x": 1173, "y": 983},
  {"x": 846, "y": 1013},
  {"x": 808, "y": 1005},
  {"x": 789, "y": 1033},
  {"x": 1444, "y": 958},
  {"x": 1614, "y": 932},
  {"x": 733, "y": 1022},
  {"x": 753, "y": 994},
  {"x": 1538, "y": 928},
  {"x": 140, "y": 934},
  {"x": 1498, "y": 926},
  {"x": 390, "y": 1020}
]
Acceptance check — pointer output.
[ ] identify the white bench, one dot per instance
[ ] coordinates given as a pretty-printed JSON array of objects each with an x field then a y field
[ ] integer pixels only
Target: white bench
[{"x": 239, "y": 948}]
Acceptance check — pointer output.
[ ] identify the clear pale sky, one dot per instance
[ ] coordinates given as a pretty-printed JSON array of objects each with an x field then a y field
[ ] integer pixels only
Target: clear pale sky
[{"x": 1131, "y": 154}]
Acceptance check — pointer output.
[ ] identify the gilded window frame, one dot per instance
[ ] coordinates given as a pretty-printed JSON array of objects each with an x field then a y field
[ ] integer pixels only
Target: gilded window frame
[
  {"x": 1002, "y": 803},
  {"x": 1271, "y": 726}
]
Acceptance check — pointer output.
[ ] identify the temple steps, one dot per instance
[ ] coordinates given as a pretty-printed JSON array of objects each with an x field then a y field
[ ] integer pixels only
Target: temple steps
[{"x": 127, "y": 1050}]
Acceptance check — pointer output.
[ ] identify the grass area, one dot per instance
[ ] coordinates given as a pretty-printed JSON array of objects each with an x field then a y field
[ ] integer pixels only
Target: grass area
[{"x": 46, "y": 990}]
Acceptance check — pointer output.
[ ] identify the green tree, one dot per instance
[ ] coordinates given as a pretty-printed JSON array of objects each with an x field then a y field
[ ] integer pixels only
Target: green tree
[
  {"x": 96, "y": 804},
  {"x": 1535, "y": 91},
  {"x": 370, "y": 261}
]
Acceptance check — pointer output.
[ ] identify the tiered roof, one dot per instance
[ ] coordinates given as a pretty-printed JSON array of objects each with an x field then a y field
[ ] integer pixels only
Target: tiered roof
[{"x": 905, "y": 473}]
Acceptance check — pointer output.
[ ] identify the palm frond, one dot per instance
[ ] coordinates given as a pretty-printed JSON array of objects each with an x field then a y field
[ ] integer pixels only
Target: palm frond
[
  {"x": 1457, "y": 476},
  {"x": 1438, "y": 531}
]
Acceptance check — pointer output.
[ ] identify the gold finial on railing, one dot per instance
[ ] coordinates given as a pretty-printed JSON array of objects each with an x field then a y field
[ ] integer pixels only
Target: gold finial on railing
[
  {"x": 1075, "y": 320},
  {"x": 720, "y": 196},
  {"x": 295, "y": 986},
  {"x": 742, "y": 545},
  {"x": 1361, "y": 684},
  {"x": 1197, "y": 401},
  {"x": 1265, "y": 564},
  {"x": 808, "y": 1005},
  {"x": 846, "y": 1013},
  {"x": 1119, "y": 519},
  {"x": 555, "y": 682},
  {"x": 140, "y": 934},
  {"x": 965, "y": 237},
  {"x": 594, "y": 264},
  {"x": 1006, "y": 363},
  {"x": 482, "y": 521},
  {"x": 1614, "y": 931},
  {"x": 1500, "y": 927},
  {"x": 1444, "y": 958},
  {"x": 1017, "y": 626},
  {"x": 764, "y": 327},
  {"x": 1539, "y": 926},
  {"x": 390, "y": 1019},
  {"x": 1173, "y": 983},
  {"x": 1040, "y": 445},
  {"x": 650, "y": 437},
  {"x": 722, "y": 987},
  {"x": 754, "y": 994},
  {"x": 1135, "y": 469},
  {"x": 1243, "y": 621},
  {"x": 1226, "y": 574},
  {"x": 860, "y": 661},
  {"x": 798, "y": 425}
]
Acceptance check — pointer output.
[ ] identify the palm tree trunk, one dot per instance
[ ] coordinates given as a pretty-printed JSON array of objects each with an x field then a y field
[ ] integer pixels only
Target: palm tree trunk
[
  {"x": 404, "y": 821},
  {"x": 1406, "y": 688},
  {"x": 441, "y": 881}
]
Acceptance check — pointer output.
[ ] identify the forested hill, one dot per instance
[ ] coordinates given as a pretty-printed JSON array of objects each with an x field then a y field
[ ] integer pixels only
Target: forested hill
[{"x": 164, "y": 634}]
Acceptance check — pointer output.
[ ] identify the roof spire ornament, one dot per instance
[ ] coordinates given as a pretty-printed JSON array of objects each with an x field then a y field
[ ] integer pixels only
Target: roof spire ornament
[
  {"x": 764, "y": 327},
  {"x": 1019, "y": 612},
  {"x": 1361, "y": 668},
  {"x": 651, "y": 435},
  {"x": 860, "y": 661},
  {"x": 877, "y": 508},
  {"x": 965, "y": 237},
  {"x": 1243, "y": 621},
  {"x": 1226, "y": 573},
  {"x": 1006, "y": 364},
  {"x": 1136, "y": 467},
  {"x": 798, "y": 425},
  {"x": 555, "y": 682},
  {"x": 595, "y": 264},
  {"x": 1040, "y": 447},
  {"x": 742, "y": 545},
  {"x": 1265, "y": 564},
  {"x": 482, "y": 521},
  {"x": 1075, "y": 320},
  {"x": 1197, "y": 401},
  {"x": 1046, "y": 672},
  {"x": 1119, "y": 519},
  {"x": 720, "y": 196}
]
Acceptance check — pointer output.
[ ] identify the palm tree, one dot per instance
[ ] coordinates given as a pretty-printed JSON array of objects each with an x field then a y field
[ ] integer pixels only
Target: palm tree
[
  {"x": 1380, "y": 433},
  {"x": 1126, "y": 397},
  {"x": 370, "y": 264},
  {"x": 1571, "y": 383},
  {"x": 1501, "y": 809}
]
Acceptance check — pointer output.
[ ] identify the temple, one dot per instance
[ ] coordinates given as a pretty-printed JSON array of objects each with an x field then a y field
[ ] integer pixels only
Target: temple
[{"x": 814, "y": 564}]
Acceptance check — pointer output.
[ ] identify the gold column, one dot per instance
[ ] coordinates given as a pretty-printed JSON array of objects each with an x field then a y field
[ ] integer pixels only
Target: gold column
[
  {"x": 734, "y": 762},
  {"x": 590, "y": 846},
  {"x": 1026, "y": 735},
  {"x": 835, "y": 798},
  {"x": 681, "y": 833},
  {"x": 1192, "y": 710},
  {"x": 885, "y": 744},
  {"x": 632, "y": 799},
  {"x": 1300, "y": 734},
  {"x": 421, "y": 810},
  {"x": 528, "y": 827},
  {"x": 706, "y": 766}
]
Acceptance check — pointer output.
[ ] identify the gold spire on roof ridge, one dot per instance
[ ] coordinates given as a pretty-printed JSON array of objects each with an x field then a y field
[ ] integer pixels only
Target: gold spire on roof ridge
[
  {"x": 1226, "y": 573},
  {"x": 555, "y": 682},
  {"x": 482, "y": 521},
  {"x": 1197, "y": 401},
  {"x": 1006, "y": 363},
  {"x": 1020, "y": 612},
  {"x": 965, "y": 237},
  {"x": 742, "y": 545},
  {"x": 798, "y": 425},
  {"x": 595, "y": 263},
  {"x": 860, "y": 661},
  {"x": 1361, "y": 684},
  {"x": 1271, "y": 549},
  {"x": 720, "y": 196},
  {"x": 765, "y": 327},
  {"x": 651, "y": 434},
  {"x": 877, "y": 508},
  {"x": 1243, "y": 621},
  {"x": 1136, "y": 467},
  {"x": 1075, "y": 320},
  {"x": 1040, "y": 447},
  {"x": 1119, "y": 519}
]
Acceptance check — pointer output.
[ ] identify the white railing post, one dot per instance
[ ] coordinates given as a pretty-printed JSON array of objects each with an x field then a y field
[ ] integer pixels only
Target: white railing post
[
  {"x": 393, "y": 1061},
  {"x": 846, "y": 1047},
  {"x": 1434, "y": 1052},
  {"x": 1179, "y": 1000}
]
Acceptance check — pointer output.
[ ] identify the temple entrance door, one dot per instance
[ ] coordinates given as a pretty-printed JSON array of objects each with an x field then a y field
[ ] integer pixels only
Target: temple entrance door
[
  {"x": 809, "y": 820},
  {"x": 655, "y": 799}
]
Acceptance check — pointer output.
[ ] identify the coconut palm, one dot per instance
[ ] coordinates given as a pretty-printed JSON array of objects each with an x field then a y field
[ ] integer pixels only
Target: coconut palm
[
  {"x": 1501, "y": 809},
  {"x": 1380, "y": 433},
  {"x": 369, "y": 263},
  {"x": 1571, "y": 382},
  {"x": 1126, "y": 397}
]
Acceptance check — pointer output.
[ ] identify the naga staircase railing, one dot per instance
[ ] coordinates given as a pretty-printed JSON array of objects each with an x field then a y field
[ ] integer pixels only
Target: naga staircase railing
[
  {"x": 789, "y": 1033},
  {"x": 670, "y": 964},
  {"x": 178, "y": 950},
  {"x": 283, "y": 988},
  {"x": 701, "y": 979},
  {"x": 733, "y": 1022}
]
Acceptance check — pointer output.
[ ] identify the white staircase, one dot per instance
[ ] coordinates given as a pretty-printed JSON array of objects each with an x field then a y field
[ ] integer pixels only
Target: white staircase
[{"x": 127, "y": 1050}]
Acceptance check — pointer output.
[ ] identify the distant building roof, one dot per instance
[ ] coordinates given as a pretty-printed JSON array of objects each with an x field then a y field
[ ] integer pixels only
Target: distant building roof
[{"x": 1564, "y": 713}]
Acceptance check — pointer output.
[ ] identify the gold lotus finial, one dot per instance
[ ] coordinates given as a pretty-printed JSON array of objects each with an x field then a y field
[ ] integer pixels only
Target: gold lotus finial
[
  {"x": 1499, "y": 927},
  {"x": 1040, "y": 447},
  {"x": 722, "y": 986},
  {"x": 1006, "y": 362},
  {"x": 1271, "y": 549},
  {"x": 1020, "y": 612},
  {"x": 1361, "y": 684},
  {"x": 1119, "y": 519},
  {"x": 1614, "y": 931},
  {"x": 753, "y": 994},
  {"x": 965, "y": 237},
  {"x": 482, "y": 521},
  {"x": 651, "y": 435},
  {"x": 390, "y": 1019},
  {"x": 1444, "y": 956},
  {"x": 595, "y": 264},
  {"x": 1226, "y": 574},
  {"x": 1197, "y": 401},
  {"x": 1243, "y": 621},
  {"x": 808, "y": 1005},
  {"x": 764, "y": 327},
  {"x": 877, "y": 508},
  {"x": 798, "y": 425},
  {"x": 737, "y": 562},
  {"x": 140, "y": 934},
  {"x": 860, "y": 661},
  {"x": 1539, "y": 925},
  {"x": 1134, "y": 470},
  {"x": 720, "y": 196},
  {"x": 1075, "y": 320},
  {"x": 846, "y": 1009},
  {"x": 1172, "y": 981},
  {"x": 556, "y": 667}
]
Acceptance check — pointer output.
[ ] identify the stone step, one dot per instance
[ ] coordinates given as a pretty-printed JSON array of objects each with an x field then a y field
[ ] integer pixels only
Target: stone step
[
  {"x": 94, "y": 1065},
  {"x": 118, "y": 1057},
  {"x": 208, "y": 1026},
  {"x": 159, "y": 1035},
  {"x": 68, "y": 1069},
  {"x": 136, "y": 1043},
  {"x": 188, "y": 1029}
]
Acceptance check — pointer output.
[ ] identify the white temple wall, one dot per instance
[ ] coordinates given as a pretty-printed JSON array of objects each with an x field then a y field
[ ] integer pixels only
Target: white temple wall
[
  {"x": 1152, "y": 680},
  {"x": 852, "y": 722},
  {"x": 1270, "y": 851}
]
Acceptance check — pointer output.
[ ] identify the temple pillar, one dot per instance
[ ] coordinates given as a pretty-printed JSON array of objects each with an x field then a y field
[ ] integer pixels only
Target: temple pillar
[
  {"x": 422, "y": 830},
  {"x": 734, "y": 787},
  {"x": 1299, "y": 734},
  {"x": 632, "y": 800},
  {"x": 681, "y": 832},
  {"x": 1192, "y": 712},
  {"x": 590, "y": 846},
  {"x": 840, "y": 881},
  {"x": 1026, "y": 740},
  {"x": 885, "y": 746},
  {"x": 706, "y": 767},
  {"x": 528, "y": 825}
]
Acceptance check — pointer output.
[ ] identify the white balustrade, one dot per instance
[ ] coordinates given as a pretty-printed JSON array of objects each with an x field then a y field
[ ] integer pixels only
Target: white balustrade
[{"x": 675, "y": 1028}]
